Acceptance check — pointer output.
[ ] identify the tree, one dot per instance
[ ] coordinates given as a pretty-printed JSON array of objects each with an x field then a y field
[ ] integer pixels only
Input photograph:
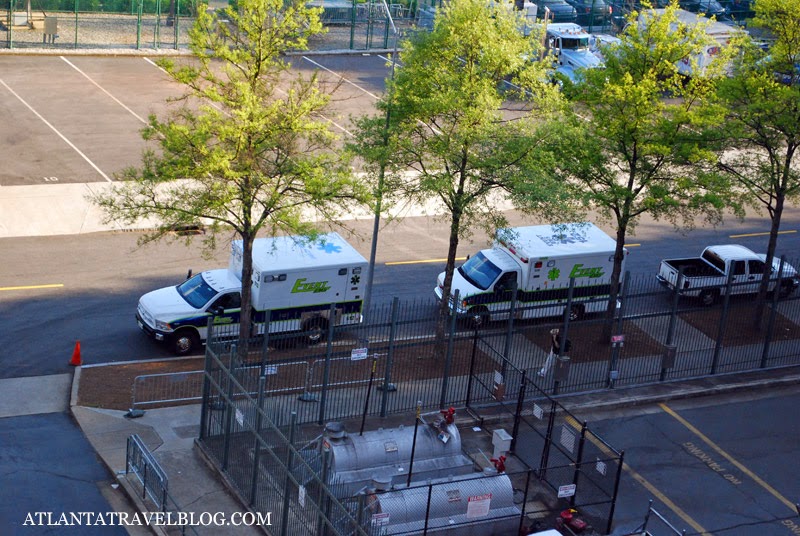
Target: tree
[
  {"x": 638, "y": 142},
  {"x": 446, "y": 121},
  {"x": 763, "y": 122},
  {"x": 248, "y": 150}
]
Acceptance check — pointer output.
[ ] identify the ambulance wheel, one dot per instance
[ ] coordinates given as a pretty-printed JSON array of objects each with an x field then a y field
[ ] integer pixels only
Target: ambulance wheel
[
  {"x": 185, "y": 342},
  {"x": 708, "y": 297},
  {"x": 316, "y": 330},
  {"x": 576, "y": 312}
]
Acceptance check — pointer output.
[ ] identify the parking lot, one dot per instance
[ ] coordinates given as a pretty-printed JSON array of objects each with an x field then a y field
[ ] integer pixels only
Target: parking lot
[
  {"x": 722, "y": 465},
  {"x": 77, "y": 119}
]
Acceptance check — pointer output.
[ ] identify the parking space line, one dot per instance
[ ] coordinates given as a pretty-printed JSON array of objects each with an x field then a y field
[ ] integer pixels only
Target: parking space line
[
  {"x": 98, "y": 86},
  {"x": 54, "y": 129},
  {"x": 312, "y": 62},
  {"x": 758, "y": 480},
  {"x": 654, "y": 491},
  {"x": 664, "y": 499}
]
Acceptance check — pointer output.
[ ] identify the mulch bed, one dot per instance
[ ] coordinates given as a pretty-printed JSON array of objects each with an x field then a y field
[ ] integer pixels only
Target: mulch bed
[
  {"x": 111, "y": 386},
  {"x": 590, "y": 341},
  {"x": 740, "y": 326}
]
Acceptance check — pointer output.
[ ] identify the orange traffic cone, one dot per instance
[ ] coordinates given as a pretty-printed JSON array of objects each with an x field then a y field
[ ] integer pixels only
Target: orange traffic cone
[{"x": 76, "y": 355}]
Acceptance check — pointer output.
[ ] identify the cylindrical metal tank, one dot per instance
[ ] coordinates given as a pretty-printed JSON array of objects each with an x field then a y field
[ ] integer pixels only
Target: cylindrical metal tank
[
  {"x": 391, "y": 447},
  {"x": 474, "y": 505},
  {"x": 385, "y": 454}
]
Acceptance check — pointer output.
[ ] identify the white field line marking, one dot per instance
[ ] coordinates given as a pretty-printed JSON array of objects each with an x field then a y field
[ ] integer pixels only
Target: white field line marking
[
  {"x": 54, "y": 129},
  {"x": 434, "y": 130},
  {"x": 312, "y": 62},
  {"x": 98, "y": 86},
  {"x": 154, "y": 64}
]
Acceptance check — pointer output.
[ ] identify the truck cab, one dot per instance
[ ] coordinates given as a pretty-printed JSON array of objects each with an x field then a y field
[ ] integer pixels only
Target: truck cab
[
  {"x": 178, "y": 315},
  {"x": 569, "y": 46}
]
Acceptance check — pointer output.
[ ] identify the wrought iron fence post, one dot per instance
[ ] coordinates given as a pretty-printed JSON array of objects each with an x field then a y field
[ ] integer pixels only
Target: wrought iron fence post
[
  {"x": 206, "y": 396},
  {"x": 518, "y": 413},
  {"x": 615, "y": 346},
  {"x": 449, "y": 356},
  {"x": 428, "y": 509},
  {"x": 524, "y": 502},
  {"x": 510, "y": 328},
  {"x": 616, "y": 491},
  {"x": 772, "y": 313},
  {"x": 551, "y": 419},
  {"x": 327, "y": 372},
  {"x": 288, "y": 480},
  {"x": 387, "y": 377},
  {"x": 723, "y": 318},
  {"x": 472, "y": 362},
  {"x": 262, "y": 382},
  {"x": 76, "y": 24},
  {"x": 265, "y": 341},
  {"x": 673, "y": 320},
  {"x": 564, "y": 333},
  {"x": 326, "y": 456},
  {"x": 578, "y": 462},
  {"x": 229, "y": 409}
]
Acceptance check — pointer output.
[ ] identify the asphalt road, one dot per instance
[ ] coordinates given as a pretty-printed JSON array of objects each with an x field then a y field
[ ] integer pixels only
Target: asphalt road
[{"x": 719, "y": 465}]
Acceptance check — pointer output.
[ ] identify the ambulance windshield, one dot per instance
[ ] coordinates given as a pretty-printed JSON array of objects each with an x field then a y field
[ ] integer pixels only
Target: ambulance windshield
[
  {"x": 479, "y": 271},
  {"x": 196, "y": 291}
]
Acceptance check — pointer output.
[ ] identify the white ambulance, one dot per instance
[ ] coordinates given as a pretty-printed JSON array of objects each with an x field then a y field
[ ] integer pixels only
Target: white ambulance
[
  {"x": 295, "y": 280},
  {"x": 540, "y": 261}
]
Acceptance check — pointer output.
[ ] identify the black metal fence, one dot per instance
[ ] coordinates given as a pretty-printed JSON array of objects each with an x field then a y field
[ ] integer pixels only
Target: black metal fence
[{"x": 256, "y": 395}]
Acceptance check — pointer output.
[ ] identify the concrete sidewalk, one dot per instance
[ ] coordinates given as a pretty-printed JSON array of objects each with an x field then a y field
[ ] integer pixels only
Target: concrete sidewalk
[{"x": 169, "y": 434}]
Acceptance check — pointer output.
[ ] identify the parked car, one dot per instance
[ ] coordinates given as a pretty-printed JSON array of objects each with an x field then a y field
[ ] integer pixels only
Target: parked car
[
  {"x": 711, "y": 8},
  {"x": 561, "y": 11},
  {"x": 738, "y": 10},
  {"x": 591, "y": 12}
]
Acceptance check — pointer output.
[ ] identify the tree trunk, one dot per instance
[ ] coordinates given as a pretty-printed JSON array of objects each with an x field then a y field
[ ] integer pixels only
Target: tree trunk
[
  {"x": 614, "y": 283},
  {"x": 245, "y": 317},
  {"x": 761, "y": 298},
  {"x": 440, "y": 347}
]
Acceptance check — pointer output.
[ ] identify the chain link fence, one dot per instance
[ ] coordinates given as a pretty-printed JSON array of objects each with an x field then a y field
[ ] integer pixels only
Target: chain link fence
[{"x": 164, "y": 24}]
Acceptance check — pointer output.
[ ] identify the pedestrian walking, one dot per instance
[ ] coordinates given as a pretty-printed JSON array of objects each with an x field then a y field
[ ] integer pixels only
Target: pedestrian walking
[{"x": 555, "y": 350}]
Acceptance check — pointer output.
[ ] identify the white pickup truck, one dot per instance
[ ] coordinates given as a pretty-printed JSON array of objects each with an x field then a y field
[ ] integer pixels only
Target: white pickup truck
[{"x": 706, "y": 276}]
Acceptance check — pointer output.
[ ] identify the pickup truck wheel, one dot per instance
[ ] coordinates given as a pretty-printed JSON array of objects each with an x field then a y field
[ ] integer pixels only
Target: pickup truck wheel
[
  {"x": 316, "y": 330},
  {"x": 576, "y": 312},
  {"x": 708, "y": 297},
  {"x": 185, "y": 341}
]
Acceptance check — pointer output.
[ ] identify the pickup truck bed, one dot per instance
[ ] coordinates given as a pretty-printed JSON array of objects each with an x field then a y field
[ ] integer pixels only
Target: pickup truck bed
[{"x": 694, "y": 267}]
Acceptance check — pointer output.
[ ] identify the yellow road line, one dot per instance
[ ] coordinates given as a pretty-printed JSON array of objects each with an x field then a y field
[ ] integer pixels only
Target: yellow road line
[
  {"x": 654, "y": 491},
  {"x": 664, "y": 499},
  {"x": 632, "y": 245},
  {"x": 33, "y": 287},
  {"x": 775, "y": 493},
  {"x": 423, "y": 261},
  {"x": 758, "y": 234}
]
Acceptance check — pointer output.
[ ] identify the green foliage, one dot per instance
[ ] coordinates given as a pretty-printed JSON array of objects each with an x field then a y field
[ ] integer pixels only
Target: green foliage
[
  {"x": 247, "y": 150},
  {"x": 447, "y": 123},
  {"x": 645, "y": 148},
  {"x": 763, "y": 121}
]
